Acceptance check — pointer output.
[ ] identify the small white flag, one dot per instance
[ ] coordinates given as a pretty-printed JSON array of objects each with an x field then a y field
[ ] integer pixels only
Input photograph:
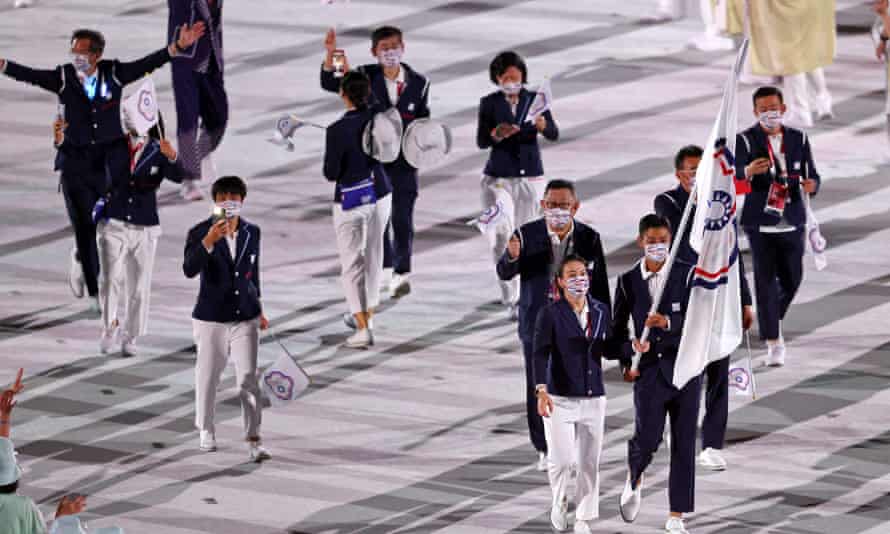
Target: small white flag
[
  {"x": 541, "y": 103},
  {"x": 140, "y": 110},
  {"x": 284, "y": 380},
  {"x": 741, "y": 374},
  {"x": 815, "y": 242}
]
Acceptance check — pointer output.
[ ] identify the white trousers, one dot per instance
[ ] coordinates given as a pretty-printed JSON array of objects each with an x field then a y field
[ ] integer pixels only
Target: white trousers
[
  {"x": 216, "y": 342},
  {"x": 521, "y": 198},
  {"x": 360, "y": 246},
  {"x": 806, "y": 91},
  {"x": 574, "y": 432},
  {"x": 126, "y": 259}
]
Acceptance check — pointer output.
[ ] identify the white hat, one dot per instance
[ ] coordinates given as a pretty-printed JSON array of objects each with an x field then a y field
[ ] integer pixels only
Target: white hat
[
  {"x": 426, "y": 143},
  {"x": 67, "y": 524},
  {"x": 382, "y": 139},
  {"x": 9, "y": 468}
]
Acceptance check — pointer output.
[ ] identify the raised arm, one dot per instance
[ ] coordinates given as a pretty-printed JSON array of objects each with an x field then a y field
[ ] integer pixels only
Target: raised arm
[
  {"x": 51, "y": 80},
  {"x": 196, "y": 255},
  {"x": 128, "y": 72}
]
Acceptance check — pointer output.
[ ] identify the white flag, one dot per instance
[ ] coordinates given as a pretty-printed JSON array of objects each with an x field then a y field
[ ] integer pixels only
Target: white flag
[
  {"x": 284, "y": 380},
  {"x": 815, "y": 242},
  {"x": 713, "y": 325},
  {"x": 140, "y": 109},
  {"x": 741, "y": 378},
  {"x": 541, "y": 103}
]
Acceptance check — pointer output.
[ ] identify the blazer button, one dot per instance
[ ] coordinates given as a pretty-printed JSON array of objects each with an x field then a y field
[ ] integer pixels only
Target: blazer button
[
  {"x": 590, "y": 392},
  {"x": 130, "y": 200},
  {"x": 238, "y": 312},
  {"x": 128, "y": 217},
  {"x": 659, "y": 355},
  {"x": 236, "y": 292},
  {"x": 236, "y": 273},
  {"x": 132, "y": 183},
  {"x": 590, "y": 372},
  {"x": 95, "y": 125}
]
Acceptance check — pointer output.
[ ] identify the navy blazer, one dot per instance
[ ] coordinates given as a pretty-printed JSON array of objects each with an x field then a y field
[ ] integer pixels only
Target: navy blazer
[
  {"x": 133, "y": 196},
  {"x": 518, "y": 156},
  {"x": 345, "y": 162},
  {"x": 230, "y": 288},
  {"x": 533, "y": 268},
  {"x": 565, "y": 358},
  {"x": 670, "y": 205},
  {"x": 412, "y": 104},
  {"x": 632, "y": 301},
  {"x": 752, "y": 144},
  {"x": 210, "y": 44}
]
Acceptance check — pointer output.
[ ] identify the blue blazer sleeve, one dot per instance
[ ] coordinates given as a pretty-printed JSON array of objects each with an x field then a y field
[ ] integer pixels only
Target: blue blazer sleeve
[
  {"x": 743, "y": 282},
  {"x": 529, "y": 132},
  {"x": 485, "y": 125},
  {"x": 128, "y": 72},
  {"x": 333, "y": 154},
  {"x": 812, "y": 173},
  {"x": 328, "y": 81},
  {"x": 667, "y": 209},
  {"x": 47, "y": 79},
  {"x": 542, "y": 344},
  {"x": 508, "y": 268},
  {"x": 256, "y": 268},
  {"x": 423, "y": 110},
  {"x": 671, "y": 338},
  {"x": 599, "y": 283},
  {"x": 196, "y": 256},
  {"x": 742, "y": 156},
  {"x": 619, "y": 346}
]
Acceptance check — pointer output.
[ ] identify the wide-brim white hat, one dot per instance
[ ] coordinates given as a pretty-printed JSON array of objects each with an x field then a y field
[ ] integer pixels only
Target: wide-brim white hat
[
  {"x": 382, "y": 139},
  {"x": 426, "y": 143}
]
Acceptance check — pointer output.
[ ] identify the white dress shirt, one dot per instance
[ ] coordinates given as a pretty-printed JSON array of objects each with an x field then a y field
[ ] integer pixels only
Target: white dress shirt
[
  {"x": 392, "y": 86},
  {"x": 775, "y": 142}
]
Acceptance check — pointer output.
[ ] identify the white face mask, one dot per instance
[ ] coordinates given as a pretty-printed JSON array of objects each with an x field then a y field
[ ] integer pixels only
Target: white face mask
[
  {"x": 391, "y": 58},
  {"x": 770, "y": 119},
  {"x": 557, "y": 218},
  {"x": 657, "y": 252},
  {"x": 511, "y": 88},
  {"x": 577, "y": 286},
  {"x": 232, "y": 207},
  {"x": 81, "y": 63}
]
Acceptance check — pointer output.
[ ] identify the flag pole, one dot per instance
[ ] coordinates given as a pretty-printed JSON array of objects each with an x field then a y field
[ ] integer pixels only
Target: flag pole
[{"x": 751, "y": 365}]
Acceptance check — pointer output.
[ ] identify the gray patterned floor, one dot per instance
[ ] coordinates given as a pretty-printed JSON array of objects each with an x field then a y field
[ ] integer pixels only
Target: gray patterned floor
[{"x": 425, "y": 433}]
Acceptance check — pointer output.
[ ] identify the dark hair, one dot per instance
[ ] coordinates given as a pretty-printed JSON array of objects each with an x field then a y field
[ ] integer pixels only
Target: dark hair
[
  {"x": 97, "y": 41},
  {"x": 229, "y": 184},
  {"x": 504, "y": 61},
  {"x": 384, "y": 32},
  {"x": 688, "y": 151},
  {"x": 651, "y": 221},
  {"x": 9, "y": 488},
  {"x": 567, "y": 260},
  {"x": 766, "y": 91},
  {"x": 560, "y": 184},
  {"x": 357, "y": 88}
]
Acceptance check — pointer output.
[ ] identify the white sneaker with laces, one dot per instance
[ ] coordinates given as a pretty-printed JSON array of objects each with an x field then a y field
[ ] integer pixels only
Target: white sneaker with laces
[
  {"x": 128, "y": 346},
  {"x": 711, "y": 458},
  {"x": 559, "y": 517},
  {"x": 23, "y": 3},
  {"x": 400, "y": 286},
  {"x": 108, "y": 339},
  {"x": 630, "y": 501},
  {"x": 75, "y": 276},
  {"x": 361, "y": 339},
  {"x": 582, "y": 527},
  {"x": 385, "y": 282},
  {"x": 775, "y": 356},
  {"x": 207, "y": 441},
  {"x": 257, "y": 452},
  {"x": 675, "y": 525},
  {"x": 542, "y": 462}
]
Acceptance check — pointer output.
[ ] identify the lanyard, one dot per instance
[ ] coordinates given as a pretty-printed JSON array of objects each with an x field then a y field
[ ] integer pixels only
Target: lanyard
[{"x": 772, "y": 156}]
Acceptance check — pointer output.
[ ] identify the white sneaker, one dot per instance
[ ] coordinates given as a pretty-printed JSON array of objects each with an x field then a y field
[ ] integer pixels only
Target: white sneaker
[
  {"x": 712, "y": 459},
  {"x": 257, "y": 452},
  {"x": 191, "y": 191},
  {"x": 559, "y": 517},
  {"x": 208, "y": 441},
  {"x": 582, "y": 527},
  {"x": 675, "y": 525},
  {"x": 108, "y": 339},
  {"x": 23, "y": 3},
  {"x": 630, "y": 501},
  {"x": 385, "y": 282},
  {"x": 361, "y": 339},
  {"x": 400, "y": 286},
  {"x": 75, "y": 276},
  {"x": 95, "y": 307},
  {"x": 542, "y": 462},
  {"x": 775, "y": 356},
  {"x": 513, "y": 312},
  {"x": 710, "y": 43},
  {"x": 128, "y": 347}
]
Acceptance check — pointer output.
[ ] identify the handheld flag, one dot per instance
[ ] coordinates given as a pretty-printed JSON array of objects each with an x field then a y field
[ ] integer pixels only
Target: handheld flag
[
  {"x": 140, "y": 110},
  {"x": 541, "y": 103},
  {"x": 284, "y": 381},
  {"x": 741, "y": 374},
  {"x": 713, "y": 325}
]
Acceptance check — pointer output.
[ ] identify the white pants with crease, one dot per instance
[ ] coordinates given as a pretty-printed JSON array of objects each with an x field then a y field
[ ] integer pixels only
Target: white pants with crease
[
  {"x": 126, "y": 258},
  {"x": 360, "y": 246},
  {"x": 216, "y": 343},
  {"x": 521, "y": 199},
  {"x": 574, "y": 433},
  {"x": 806, "y": 91}
]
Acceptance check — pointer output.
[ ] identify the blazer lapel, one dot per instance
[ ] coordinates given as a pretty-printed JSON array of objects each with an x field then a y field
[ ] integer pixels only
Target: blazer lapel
[
  {"x": 243, "y": 240},
  {"x": 147, "y": 154},
  {"x": 569, "y": 316}
]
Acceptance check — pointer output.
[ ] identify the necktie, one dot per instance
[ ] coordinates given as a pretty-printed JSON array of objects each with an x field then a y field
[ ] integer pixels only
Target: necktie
[
  {"x": 400, "y": 86},
  {"x": 133, "y": 151}
]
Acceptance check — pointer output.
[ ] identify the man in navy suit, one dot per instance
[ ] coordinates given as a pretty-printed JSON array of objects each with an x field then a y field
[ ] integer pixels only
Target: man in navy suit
[
  {"x": 670, "y": 205},
  {"x": 393, "y": 84},
  {"x": 225, "y": 251},
  {"x": 655, "y": 396},
  {"x": 202, "y": 107},
  {"x": 778, "y": 163},
  {"x": 89, "y": 90},
  {"x": 534, "y": 254}
]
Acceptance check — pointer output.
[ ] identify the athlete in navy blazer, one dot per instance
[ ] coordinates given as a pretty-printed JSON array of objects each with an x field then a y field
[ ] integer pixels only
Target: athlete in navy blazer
[
  {"x": 345, "y": 162},
  {"x": 133, "y": 197},
  {"x": 412, "y": 102}
]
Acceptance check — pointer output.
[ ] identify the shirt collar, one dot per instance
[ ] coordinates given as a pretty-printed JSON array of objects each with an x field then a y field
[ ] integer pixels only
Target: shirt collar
[
  {"x": 554, "y": 238},
  {"x": 647, "y": 274},
  {"x": 400, "y": 77}
]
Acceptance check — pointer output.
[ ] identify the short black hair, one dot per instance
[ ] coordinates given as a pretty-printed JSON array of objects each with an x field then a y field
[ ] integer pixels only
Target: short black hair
[
  {"x": 560, "y": 184},
  {"x": 504, "y": 61},
  {"x": 229, "y": 184},
  {"x": 9, "y": 488},
  {"x": 357, "y": 88},
  {"x": 688, "y": 151},
  {"x": 567, "y": 260},
  {"x": 97, "y": 40},
  {"x": 384, "y": 32},
  {"x": 765, "y": 91},
  {"x": 651, "y": 220}
]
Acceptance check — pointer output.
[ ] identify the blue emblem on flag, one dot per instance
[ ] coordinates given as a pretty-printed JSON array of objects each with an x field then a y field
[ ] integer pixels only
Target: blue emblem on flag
[
  {"x": 720, "y": 211},
  {"x": 739, "y": 378},
  {"x": 281, "y": 385}
]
